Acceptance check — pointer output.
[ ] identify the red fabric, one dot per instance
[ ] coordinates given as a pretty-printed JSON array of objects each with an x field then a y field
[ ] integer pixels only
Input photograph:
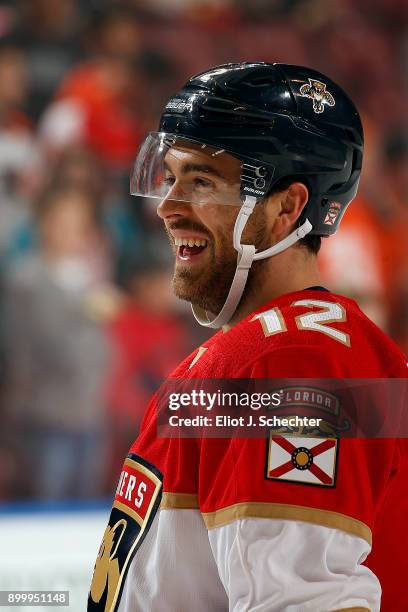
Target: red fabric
[
  {"x": 112, "y": 127},
  {"x": 18, "y": 122},
  {"x": 228, "y": 471},
  {"x": 146, "y": 349},
  {"x": 360, "y": 225}
]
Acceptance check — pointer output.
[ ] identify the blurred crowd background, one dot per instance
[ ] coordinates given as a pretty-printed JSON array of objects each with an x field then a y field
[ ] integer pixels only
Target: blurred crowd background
[{"x": 88, "y": 326}]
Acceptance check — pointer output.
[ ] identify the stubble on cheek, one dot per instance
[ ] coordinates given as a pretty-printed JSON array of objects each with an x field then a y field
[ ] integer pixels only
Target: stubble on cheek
[{"x": 207, "y": 285}]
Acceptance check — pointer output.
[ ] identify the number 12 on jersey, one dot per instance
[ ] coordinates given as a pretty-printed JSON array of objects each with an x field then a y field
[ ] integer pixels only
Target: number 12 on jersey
[{"x": 320, "y": 320}]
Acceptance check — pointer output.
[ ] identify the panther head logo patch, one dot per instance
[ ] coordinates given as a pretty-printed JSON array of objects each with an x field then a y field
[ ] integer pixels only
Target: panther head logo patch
[{"x": 316, "y": 90}]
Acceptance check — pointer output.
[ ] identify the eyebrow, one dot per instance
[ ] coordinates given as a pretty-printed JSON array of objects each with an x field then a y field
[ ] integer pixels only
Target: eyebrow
[{"x": 191, "y": 167}]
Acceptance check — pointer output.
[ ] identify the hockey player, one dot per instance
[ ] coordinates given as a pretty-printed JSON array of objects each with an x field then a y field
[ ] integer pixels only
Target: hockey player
[{"x": 254, "y": 163}]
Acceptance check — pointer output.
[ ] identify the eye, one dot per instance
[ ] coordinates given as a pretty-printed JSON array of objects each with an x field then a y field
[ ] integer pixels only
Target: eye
[{"x": 203, "y": 183}]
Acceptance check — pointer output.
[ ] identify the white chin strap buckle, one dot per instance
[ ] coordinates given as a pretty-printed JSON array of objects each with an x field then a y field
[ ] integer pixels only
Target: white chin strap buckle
[{"x": 246, "y": 255}]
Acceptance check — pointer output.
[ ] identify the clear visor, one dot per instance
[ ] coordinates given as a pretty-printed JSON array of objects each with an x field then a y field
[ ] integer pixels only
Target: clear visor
[{"x": 169, "y": 167}]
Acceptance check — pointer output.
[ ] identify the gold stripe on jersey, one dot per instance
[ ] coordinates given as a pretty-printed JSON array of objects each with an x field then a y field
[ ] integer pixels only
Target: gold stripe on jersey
[
  {"x": 124, "y": 508},
  {"x": 326, "y": 518},
  {"x": 141, "y": 468},
  {"x": 352, "y": 610},
  {"x": 181, "y": 501}
]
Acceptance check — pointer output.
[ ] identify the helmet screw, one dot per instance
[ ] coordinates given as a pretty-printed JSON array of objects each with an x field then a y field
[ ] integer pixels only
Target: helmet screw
[
  {"x": 260, "y": 171},
  {"x": 259, "y": 183}
]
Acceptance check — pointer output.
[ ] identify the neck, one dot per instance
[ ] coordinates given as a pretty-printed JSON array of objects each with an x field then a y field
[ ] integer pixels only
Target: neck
[{"x": 293, "y": 270}]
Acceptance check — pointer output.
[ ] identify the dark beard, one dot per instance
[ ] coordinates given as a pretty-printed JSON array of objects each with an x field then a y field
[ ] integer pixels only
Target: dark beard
[{"x": 209, "y": 288}]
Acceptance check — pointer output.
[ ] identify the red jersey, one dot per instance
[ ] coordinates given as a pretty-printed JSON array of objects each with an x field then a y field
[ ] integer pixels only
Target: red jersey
[{"x": 234, "y": 530}]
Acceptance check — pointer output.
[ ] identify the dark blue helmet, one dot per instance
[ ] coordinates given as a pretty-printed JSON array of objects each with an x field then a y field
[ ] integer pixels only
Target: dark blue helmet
[{"x": 281, "y": 121}]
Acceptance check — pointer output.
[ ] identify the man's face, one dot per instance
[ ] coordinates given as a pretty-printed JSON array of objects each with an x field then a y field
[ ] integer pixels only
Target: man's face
[{"x": 199, "y": 213}]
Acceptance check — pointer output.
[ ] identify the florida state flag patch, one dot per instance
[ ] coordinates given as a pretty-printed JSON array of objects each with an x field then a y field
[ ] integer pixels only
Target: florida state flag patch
[
  {"x": 136, "y": 502},
  {"x": 302, "y": 460}
]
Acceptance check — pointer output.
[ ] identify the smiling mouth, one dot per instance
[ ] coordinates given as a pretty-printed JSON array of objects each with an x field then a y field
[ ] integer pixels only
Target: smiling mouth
[{"x": 188, "y": 249}]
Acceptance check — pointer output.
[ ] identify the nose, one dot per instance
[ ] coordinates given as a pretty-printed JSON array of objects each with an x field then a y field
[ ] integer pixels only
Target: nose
[{"x": 170, "y": 206}]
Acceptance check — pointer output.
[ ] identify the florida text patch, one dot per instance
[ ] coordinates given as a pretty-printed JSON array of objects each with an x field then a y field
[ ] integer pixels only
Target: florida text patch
[
  {"x": 302, "y": 460},
  {"x": 136, "y": 502}
]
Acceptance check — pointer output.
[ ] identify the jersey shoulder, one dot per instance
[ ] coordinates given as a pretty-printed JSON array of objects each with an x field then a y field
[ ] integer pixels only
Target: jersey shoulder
[{"x": 306, "y": 333}]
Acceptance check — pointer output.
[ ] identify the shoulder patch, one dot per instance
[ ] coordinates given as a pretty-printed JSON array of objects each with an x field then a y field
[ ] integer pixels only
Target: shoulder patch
[{"x": 137, "y": 499}]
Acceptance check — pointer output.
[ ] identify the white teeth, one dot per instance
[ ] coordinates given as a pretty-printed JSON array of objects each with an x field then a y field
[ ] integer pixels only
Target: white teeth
[{"x": 190, "y": 242}]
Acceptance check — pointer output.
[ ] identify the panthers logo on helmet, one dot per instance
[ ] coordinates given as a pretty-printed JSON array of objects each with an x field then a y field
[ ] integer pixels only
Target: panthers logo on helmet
[{"x": 316, "y": 90}]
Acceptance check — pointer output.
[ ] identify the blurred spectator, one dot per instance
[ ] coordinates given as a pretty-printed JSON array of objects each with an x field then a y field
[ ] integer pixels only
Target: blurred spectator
[
  {"x": 205, "y": 12},
  {"x": 395, "y": 161},
  {"x": 258, "y": 10},
  {"x": 48, "y": 30},
  {"x": 76, "y": 167},
  {"x": 351, "y": 262},
  {"x": 98, "y": 102},
  {"x": 15, "y": 482},
  {"x": 149, "y": 339},
  {"x": 159, "y": 73},
  {"x": 79, "y": 168},
  {"x": 16, "y": 139},
  {"x": 56, "y": 347}
]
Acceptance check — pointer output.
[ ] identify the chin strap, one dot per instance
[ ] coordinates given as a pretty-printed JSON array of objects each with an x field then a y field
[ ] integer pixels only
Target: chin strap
[{"x": 246, "y": 255}]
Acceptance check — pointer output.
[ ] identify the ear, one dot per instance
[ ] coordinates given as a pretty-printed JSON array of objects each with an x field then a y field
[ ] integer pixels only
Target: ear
[{"x": 292, "y": 202}]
